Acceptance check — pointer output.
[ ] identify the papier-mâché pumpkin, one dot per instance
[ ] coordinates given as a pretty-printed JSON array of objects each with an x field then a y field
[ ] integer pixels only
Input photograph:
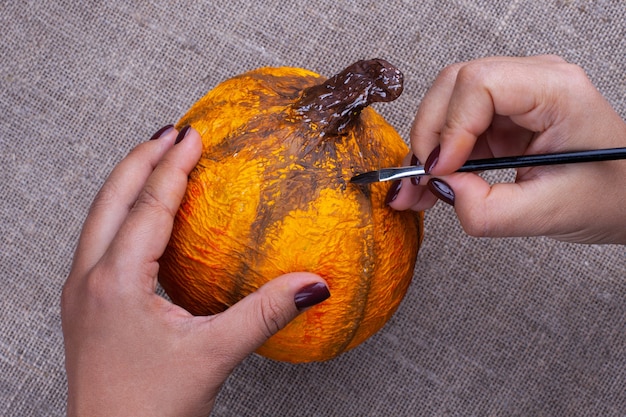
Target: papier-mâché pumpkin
[{"x": 271, "y": 195}]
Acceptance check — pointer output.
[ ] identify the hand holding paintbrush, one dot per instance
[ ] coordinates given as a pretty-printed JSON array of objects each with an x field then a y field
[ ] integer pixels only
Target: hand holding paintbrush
[{"x": 499, "y": 107}]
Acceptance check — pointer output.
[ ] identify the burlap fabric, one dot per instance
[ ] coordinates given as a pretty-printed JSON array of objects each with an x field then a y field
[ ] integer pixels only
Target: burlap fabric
[{"x": 490, "y": 327}]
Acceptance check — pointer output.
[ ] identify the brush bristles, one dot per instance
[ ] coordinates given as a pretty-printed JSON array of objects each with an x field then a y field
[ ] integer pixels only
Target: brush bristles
[{"x": 365, "y": 178}]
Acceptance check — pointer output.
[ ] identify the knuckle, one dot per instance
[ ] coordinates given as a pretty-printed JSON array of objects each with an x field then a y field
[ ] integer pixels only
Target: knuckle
[
  {"x": 450, "y": 72},
  {"x": 473, "y": 73},
  {"x": 107, "y": 195},
  {"x": 88, "y": 293},
  {"x": 95, "y": 287},
  {"x": 476, "y": 222},
  {"x": 475, "y": 226},
  {"x": 150, "y": 200},
  {"x": 110, "y": 192},
  {"x": 552, "y": 58},
  {"x": 273, "y": 316},
  {"x": 574, "y": 75}
]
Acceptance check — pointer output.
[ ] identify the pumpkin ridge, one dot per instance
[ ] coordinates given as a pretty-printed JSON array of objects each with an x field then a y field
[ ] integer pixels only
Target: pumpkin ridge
[
  {"x": 352, "y": 307},
  {"x": 368, "y": 267}
]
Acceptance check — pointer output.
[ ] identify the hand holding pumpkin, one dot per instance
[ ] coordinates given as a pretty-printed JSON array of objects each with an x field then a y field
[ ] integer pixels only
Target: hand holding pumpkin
[
  {"x": 512, "y": 106},
  {"x": 130, "y": 351}
]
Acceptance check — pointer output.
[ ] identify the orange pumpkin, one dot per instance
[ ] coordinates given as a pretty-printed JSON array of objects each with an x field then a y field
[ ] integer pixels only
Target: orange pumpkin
[{"x": 271, "y": 195}]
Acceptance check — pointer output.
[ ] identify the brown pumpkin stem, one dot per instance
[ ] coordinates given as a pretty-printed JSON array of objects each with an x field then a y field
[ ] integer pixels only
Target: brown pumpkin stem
[{"x": 337, "y": 103}]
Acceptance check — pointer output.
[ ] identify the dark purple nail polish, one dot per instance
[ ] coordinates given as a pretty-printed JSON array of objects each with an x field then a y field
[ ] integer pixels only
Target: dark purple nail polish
[
  {"x": 432, "y": 159},
  {"x": 392, "y": 194},
  {"x": 441, "y": 190},
  {"x": 162, "y": 131},
  {"x": 311, "y": 295},
  {"x": 415, "y": 162},
  {"x": 181, "y": 135}
]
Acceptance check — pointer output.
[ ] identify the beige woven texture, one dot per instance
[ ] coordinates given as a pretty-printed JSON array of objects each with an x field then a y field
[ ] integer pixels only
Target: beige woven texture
[{"x": 489, "y": 327}]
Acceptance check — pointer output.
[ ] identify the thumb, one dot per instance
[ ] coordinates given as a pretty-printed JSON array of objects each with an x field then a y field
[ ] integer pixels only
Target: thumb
[
  {"x": 246, "y": 325},
  {"x": 496, "y": 210}
]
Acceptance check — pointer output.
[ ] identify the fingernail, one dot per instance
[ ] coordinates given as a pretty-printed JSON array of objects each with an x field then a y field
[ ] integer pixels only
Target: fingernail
[
  {"x": 441, "y": 190},
  {"x": 162, "y": 131},
  {"x": 432, "y": 159},
  {"x": 181, "y": 135},
  {"x": 393, "y": 192},
  {"x": 311, "y": 295},
  {"x": 415, "y": 162}
]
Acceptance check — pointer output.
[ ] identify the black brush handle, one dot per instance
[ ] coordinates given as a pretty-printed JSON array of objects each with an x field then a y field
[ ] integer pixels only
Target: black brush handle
[{"x": 545, "y": 159}]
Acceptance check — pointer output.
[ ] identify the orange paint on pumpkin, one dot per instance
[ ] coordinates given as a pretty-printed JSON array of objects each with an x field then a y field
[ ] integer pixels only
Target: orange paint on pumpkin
[{"x": 271, "y": 195}]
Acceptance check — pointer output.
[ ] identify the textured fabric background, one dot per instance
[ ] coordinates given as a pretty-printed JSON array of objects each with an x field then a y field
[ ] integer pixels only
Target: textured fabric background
[{"x": 502, "y": 327}]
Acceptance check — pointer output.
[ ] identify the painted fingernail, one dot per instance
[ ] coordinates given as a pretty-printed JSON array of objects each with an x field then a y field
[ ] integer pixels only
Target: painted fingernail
[
  {"x": 161, "y": 132},
  {"x": 311, "y": 295},
  {"x": 432, "y": 159},
  {"x": 181, "y": 135},
  {"x": 415, "y": 162},
  {"x": 393, "y": 192},
  {"x": 441, "y": 190}
]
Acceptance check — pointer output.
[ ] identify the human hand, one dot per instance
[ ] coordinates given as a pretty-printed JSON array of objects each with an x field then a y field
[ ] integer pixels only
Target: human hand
[
  {"x": 129, "y": 352},
  {"x": 505, "y": 106}
]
